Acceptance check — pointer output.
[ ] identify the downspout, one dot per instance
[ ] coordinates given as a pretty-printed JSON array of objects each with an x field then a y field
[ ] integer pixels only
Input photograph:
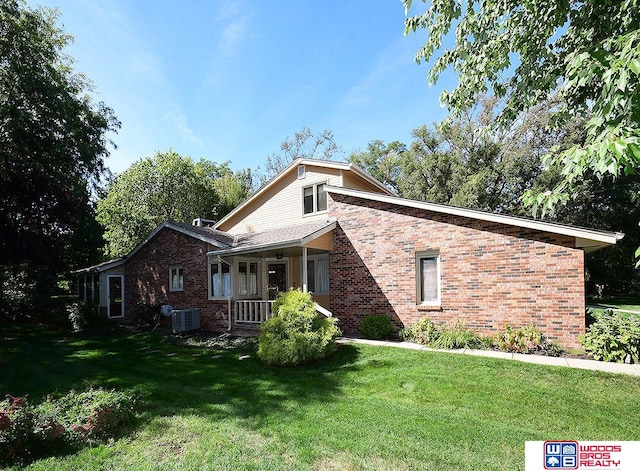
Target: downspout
[{"x": 229, "y": 298}]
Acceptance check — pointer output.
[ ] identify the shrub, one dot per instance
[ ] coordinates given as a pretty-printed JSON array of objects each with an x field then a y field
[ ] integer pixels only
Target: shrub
[
  {"x": 146, "y": 314},
  {"x": 423, "y": 332},
  {"x": 296, "y": 334},
  {"x": 83, "y": 315},
  {"x": 613, "y": 337},
  {"x": 25, "y": 292},
  {"x": 377, "y": 327},
  {"x": 457, "y": 336},
  {"x": 28, "y": 432},
  {"x": 526, "y": 340},
  {"x": 520, "y": 340}
]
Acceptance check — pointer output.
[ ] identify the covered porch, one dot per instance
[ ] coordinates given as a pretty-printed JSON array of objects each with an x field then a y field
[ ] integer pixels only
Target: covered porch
[{"x": 250, "y": 275}]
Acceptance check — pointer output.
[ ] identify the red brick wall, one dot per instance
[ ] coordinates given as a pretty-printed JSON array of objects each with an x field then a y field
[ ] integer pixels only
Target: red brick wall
[
  {"x": 147, "y": 278},
  {"x": 491, "y": 274}
]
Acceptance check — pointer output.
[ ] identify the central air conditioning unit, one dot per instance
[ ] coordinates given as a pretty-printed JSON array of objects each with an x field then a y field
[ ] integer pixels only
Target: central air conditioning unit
[{"x": 185, "y": 320}]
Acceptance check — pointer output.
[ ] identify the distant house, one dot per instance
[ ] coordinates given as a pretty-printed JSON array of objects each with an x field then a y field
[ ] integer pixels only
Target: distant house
[{"x": 332, "y": 229}]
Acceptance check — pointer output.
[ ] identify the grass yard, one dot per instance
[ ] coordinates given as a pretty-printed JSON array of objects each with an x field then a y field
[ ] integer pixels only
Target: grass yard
[
  {"x": 629, "y": 306},
  {"x": 364, "y": 408}
]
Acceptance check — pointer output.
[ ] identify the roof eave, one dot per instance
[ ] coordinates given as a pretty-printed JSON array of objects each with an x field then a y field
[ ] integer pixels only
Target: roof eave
[
  {"x": 584, "y": 237},
  {"x": 292, "y": 243}
]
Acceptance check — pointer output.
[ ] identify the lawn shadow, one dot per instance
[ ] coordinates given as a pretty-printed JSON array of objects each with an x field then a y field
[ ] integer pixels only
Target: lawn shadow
[{"x": 172, "y": 380}]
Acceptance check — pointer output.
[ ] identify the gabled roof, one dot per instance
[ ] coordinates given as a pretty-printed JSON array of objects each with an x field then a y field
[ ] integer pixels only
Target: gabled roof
[
  {"x": 345, "y": 166},
  {"x": 206, "y": 234},
  {"x": 588, "y": 239},
  {"x": 100, "y": 267},
  {"x": 274, "y": 239}
]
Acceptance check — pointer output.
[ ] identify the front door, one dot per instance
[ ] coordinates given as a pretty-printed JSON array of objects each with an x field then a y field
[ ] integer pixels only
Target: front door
[
  {"x": 276, "y": 278},
  {"x": 115, "y": 306}
]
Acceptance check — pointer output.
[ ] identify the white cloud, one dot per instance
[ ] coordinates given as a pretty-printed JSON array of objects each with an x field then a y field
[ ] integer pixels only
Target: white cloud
[
  {"x": 232, "y": 35},
  {"x": 179, "y": 120}
]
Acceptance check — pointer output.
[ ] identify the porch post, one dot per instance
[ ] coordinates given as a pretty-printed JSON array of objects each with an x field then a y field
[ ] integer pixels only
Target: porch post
[{"x": 305, "y": 279}]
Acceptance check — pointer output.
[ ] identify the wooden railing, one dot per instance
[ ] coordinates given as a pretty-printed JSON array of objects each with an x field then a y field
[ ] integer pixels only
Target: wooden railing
[
  {"x": 253, "y": 312},
  {"x": 258, "y": 311}
]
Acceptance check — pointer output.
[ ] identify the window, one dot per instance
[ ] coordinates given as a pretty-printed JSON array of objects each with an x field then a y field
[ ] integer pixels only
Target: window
[
  {"x": 318, "y": 275},
  {"x": 308, "y": 200},
  {"x": 176, "y": 278},
  {"x": 220, "y": 280},
  {"x": 428, "y": 278},
  {"x": 89, "y": 288},
  {"x": 321, "y": 198},
  {"x": 302, "y": 172},
  {"x": 247, "y": 278},
  {"x": 314, "y": 198}
]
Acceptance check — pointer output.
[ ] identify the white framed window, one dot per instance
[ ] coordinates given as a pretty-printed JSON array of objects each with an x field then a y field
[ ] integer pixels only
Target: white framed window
[
  {"x": 248, "y": 278},
  {"x": 302, "y": 172},
  {"x": 428, "y": 278},
  {"x": 219, "y": 280},
  {"x": 89, "y": 288},
  {"x": 318, "y": 274},
  {"x": 176, "y": 278},
  {"x": 314, "y": 198}
]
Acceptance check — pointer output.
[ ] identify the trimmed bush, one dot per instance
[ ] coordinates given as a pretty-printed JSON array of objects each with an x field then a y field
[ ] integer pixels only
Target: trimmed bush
[
  {"x": 377, "y": 327},
  {"x": 614, "y": 338},
  {"x": 28, "y": 432},
  {"x": 296, "y": 334}
]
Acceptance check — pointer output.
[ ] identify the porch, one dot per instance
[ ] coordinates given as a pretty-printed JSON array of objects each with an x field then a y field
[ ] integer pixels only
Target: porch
[
  {"x": 258, "y": 311},
  {"x": 250, "y": 275}
]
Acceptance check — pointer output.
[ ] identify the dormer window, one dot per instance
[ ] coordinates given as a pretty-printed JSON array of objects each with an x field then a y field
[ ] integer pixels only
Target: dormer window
[{"x": 314, "y": 198}]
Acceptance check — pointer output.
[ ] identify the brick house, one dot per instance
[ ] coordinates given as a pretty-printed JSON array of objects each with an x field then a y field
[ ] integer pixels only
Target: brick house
[{"x": 332, "y": 229}]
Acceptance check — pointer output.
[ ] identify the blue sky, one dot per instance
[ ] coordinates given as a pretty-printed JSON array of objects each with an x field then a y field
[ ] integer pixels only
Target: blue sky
[{"x": 230, "y": 80}]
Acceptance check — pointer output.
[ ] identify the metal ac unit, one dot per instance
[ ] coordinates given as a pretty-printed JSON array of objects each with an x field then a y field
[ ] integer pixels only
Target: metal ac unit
[{"x": 185, "y": 320}]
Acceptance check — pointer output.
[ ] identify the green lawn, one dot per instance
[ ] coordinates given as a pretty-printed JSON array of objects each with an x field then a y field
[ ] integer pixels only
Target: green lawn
[
  {"x": 625, "y": 303},
  {"x": 364, "y": 408}
]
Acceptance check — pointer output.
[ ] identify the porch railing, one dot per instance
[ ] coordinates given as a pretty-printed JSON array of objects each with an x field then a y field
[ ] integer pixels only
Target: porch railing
[
  {"x": 253, "y": 312},
  {"x": 256, "y": 312}
]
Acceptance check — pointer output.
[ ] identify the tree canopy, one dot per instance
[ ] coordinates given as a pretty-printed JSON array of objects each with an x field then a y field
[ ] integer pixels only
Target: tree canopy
[
  {"x": 464, "y": 162},
  {"x": 53, "y": 139},
  {"x": 303, "y": 145},
  {"x": 524, "y": 52},
  {"x": 166, "y": 187}
]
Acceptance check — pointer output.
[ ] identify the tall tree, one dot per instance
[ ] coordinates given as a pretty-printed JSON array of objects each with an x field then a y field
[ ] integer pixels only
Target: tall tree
[
  {"x": 464, "y": 162},
  {"x": 52, "y": 139},
  {"x": 303, "y": 145},
  {"x": 524, "y": 52},
  {"x": 380, "y": 161},
  {"x": 166, "y": 187}
]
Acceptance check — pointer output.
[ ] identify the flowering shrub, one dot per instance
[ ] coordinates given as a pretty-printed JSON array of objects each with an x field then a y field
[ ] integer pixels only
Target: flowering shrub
[{"x": 77, "y": 419}]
